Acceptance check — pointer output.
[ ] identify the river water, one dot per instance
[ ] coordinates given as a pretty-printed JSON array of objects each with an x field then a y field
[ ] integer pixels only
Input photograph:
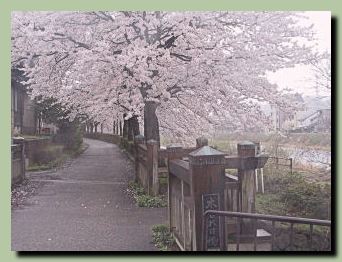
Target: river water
[{"x": 311, "y": 157}]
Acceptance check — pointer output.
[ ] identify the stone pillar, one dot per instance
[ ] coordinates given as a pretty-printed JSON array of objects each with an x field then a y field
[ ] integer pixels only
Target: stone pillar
[
  {"x": 206, "y": 178},
  {"x": 152, "y": 163},
  {"x": 246, "y": 173},
  {"x": 21, "y": 141}
]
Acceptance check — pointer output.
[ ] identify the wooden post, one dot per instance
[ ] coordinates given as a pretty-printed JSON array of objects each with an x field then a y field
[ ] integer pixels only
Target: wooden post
[
  {"x": 139, "y": 139},
  {"x": 173, "y": 152},
  {"x": 257, "y": 171},
  {"x": 256, "y": 181},
  {"x": 262, "y": 180},
  {"x": 152, "y": 163},
  {"x": 130, "y": 134},
  {"x": 206, "y": 177},
  {"x": 247, "y": 184}
]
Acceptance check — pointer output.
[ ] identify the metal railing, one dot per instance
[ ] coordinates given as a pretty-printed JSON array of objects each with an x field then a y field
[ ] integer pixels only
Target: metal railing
[{"x": 255, "y": 217}]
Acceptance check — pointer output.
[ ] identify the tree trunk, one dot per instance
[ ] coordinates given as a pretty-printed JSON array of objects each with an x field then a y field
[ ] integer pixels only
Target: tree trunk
[
  {"x": 133, "y": 128},
  {"x": 125, "y": 128},
  {"x": 39, "y": 125},
  {"x": 114, "y": 128},
  {"x": 151, "y": 124},
  {"x": 96, "y": 124},
  {"x": 120, "y": 128},
  {"x": 129, "y": 130}
]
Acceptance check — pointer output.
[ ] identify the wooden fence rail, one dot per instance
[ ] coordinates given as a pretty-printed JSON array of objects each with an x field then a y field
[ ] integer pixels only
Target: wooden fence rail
[{"x": 197, "y": 182}]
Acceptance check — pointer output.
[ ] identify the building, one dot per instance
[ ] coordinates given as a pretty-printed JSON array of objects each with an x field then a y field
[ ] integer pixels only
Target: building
[
  {"x": 287, "y": 120},
  {"x": 319, "y": 121},
  {"x": 23, "y": 116}
]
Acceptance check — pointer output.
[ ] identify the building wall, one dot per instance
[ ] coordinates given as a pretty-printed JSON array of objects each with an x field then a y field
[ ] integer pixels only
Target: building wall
[
  {"x": 16, "y": 109},
  {"x": 23, "y": 119},
  {"x": 29, "y": 117}
]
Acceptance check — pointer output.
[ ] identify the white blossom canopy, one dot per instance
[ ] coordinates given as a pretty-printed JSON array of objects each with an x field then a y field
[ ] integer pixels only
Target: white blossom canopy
[{"x": 201, "y": 68}]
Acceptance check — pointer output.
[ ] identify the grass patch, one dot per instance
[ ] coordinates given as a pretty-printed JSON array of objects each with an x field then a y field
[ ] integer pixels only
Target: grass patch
[
  {"x": 34, "y": 168},
  {"x": 162, "y": 238},
  {"x": 270, "y": 204},
  {"x": 144, "y": 200},
  {"x": 56, "y": 157},
  {"x": 49, "y": 165},
  {"x": 29, "y": 137}
]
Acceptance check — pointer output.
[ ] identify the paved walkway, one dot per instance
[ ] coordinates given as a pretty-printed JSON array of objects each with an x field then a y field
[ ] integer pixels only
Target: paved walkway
[{"x": 85, "y": 207}]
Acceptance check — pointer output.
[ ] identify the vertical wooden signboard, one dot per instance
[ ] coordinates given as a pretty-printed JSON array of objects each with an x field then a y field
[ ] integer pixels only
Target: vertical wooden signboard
[{"x": 212, "y": 202}]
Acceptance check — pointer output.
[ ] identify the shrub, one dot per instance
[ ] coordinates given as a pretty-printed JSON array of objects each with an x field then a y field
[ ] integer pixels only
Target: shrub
[
  {"x": 49, "y": 153},
  {"x": 299, "y": 197},
  {"x": 150, "y": 201},
  {"x": 307, "y": 199},
  {"x": 135, "y": 188},
  {"x": 70, "y": 135},
  {"x": 144, "y": 200},
  {"x": 162, "y": 237}
]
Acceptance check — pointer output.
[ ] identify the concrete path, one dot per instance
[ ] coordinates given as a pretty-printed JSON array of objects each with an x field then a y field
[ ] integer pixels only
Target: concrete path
[{"x": 85, "y": 207}]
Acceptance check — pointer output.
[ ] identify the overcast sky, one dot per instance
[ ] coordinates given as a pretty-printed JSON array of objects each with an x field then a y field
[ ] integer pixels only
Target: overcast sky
[{"x": 299, "y": 78}]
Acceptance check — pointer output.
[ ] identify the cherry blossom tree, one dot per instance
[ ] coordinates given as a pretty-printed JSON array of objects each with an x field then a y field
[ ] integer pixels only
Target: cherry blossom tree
[
  {"x": 186, "y": 70},
  {"x": 322, "y": 71}
]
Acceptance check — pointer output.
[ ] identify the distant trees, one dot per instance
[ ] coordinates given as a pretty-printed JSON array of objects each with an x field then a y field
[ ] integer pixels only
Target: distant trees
[{"x": 49, "y": 111}]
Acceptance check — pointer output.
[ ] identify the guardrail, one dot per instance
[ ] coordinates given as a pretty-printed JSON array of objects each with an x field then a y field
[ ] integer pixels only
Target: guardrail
[{"x": 255, "y": 217}]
